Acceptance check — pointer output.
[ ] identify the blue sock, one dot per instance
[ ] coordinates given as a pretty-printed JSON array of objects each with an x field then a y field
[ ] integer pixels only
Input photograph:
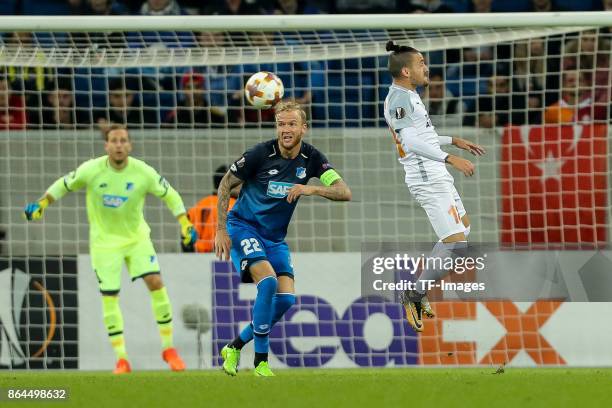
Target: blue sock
[
  {"x": 280, "y": 304},
  {"x": 262, "y": 313}
]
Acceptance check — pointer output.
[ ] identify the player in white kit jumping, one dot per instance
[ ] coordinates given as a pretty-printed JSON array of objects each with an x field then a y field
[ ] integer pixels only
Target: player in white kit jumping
[{"x": 427, "y": 178}]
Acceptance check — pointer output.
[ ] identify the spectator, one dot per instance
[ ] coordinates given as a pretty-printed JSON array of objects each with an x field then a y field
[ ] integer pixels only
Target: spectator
[
  {"x": 234, "y": 7},
  {"x": 493, "y": 109},
  {"x": 575, "y": 104},
  {"x": 192, "y": 111},
  {"x": 28, "y": 81},
  {"x": 529, "y": 78},
  {"x": 481, "y": 6},
  {"x": 365, "y": 6},
  {"x": 161, "y": 8},
  {"x": 295, "y": 7},
  {"x": 222, "y": 82},
  {"x": 542, "y": 5},
  {"x": 590, "y": 54},
  {"x": 97, "y": 7},
  {"x": 444, "y": 108},
  {"x": 424, "y": 6},
  {"x": 124, "y": 108},
  {"x": 204, "y": 215},
  {"x": 12, "y": 107},
  {"x": 59, "y": 111}
]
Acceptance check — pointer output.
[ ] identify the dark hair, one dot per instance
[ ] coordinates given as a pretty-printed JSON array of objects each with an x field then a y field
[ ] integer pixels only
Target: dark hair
[
  {"x": 399, "y": 57},
  {"x": 218, "y": 175},
  {"x": 59, "y": 83}
]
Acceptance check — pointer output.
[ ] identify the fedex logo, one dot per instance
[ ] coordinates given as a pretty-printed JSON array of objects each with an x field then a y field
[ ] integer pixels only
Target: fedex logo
[
  {"x": 278, "y": 189},
  {"x": 334, "y": 331},
  {"x": 463, "y": 333},
  {"x": 113, "y": 201}
]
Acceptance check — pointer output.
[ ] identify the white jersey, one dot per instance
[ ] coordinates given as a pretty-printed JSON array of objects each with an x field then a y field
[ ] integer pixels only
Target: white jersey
[{"x": 405, "y": 111}]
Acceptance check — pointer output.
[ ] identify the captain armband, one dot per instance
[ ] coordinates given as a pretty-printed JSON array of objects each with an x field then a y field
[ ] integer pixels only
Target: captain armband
[{"x": 329, "y": 177}]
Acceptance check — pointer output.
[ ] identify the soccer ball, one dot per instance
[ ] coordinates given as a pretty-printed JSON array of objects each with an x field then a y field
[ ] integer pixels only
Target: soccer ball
[{"x": 263, "y": 90}]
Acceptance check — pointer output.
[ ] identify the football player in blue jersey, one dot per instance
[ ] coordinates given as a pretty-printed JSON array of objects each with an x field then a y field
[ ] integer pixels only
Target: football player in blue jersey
[{"x": 273, "y": 175}]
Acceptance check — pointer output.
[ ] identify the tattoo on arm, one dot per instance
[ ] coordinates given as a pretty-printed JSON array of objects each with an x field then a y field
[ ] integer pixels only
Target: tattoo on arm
[
  {"x": 338, "y": 191},
  {"x": 228, "y": 182}
]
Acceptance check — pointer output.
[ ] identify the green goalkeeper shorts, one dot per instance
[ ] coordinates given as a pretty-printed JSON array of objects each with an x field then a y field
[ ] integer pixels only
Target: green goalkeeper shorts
[{"x": 140, "y": 259}]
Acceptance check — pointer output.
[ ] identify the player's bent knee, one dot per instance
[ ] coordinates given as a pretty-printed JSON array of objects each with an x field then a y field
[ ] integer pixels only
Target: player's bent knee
[
  {"x": 153, "y": 281},
  {"x": 261, "y": 270},
  {"x": 285, "y": 283}
]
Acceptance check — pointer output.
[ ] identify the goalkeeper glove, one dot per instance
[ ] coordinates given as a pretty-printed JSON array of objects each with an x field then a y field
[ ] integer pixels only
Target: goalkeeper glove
[
  {"x": 189, "y": 235},
  {"x": 34, "y": 211}
]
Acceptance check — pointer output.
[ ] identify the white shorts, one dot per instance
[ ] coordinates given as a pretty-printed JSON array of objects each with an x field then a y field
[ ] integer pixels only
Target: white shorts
[{"x": 443, "y": 206}]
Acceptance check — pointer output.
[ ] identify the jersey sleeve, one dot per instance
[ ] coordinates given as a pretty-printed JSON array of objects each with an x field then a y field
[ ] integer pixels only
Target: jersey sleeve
[
  {"x": 399, "y": 110},
  {"x": 73, "y": 181},
  {"x": 159, "y": 187},
  {"x": 323, "y": 169},
  {"x": 246, "y": 166}
]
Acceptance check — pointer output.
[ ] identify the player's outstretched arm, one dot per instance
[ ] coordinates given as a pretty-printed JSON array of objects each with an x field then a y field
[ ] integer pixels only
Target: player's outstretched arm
[
  {"x": 72, "y": 181},
  {"x": 475, "y": 149},
  {"x": 34, "y": 211},
  {"x": 337, "y": 191},
  {"x": 222, "y": 239}
]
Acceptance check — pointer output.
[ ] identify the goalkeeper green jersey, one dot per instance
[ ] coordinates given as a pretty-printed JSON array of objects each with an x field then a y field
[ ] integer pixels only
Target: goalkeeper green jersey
[{"x": 115, "y": 199}]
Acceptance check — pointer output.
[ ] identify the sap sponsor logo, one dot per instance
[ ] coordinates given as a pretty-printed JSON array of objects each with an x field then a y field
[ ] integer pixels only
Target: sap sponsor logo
[
  {"x": 152, "y": 259},
  {"x": 113, "y": 201},
  {"x": 278, "y": 189},
  {"x": 273, "y": 172},
  {"x": 129, "y": 186},
  {"x": 300, "y": 172}
]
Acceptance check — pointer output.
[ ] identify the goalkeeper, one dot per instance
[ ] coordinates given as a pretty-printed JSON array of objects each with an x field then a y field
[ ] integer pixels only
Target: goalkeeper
[{"x": 116, "y": 188}]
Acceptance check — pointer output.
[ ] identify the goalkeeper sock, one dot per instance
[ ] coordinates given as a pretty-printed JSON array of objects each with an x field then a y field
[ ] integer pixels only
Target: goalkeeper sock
[
  {"x": 113, "y": 320},
  {"x": 162, "y": 310},
  {"x": 280, "y": 304},
  {"x": 262, "y": 313}
]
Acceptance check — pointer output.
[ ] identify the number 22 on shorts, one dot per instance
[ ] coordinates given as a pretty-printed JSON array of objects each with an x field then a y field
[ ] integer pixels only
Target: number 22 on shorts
[{"x": 250, "y": 245}]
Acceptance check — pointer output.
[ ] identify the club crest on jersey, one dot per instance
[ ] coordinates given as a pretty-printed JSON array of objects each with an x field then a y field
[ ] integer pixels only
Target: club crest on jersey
[
  {"x": 129, "y": 186},
  {"x": 278, "y": 189},
  {"x": 300, "y": 172},
  {"x": 113, "y": 201},
  {"x": 400, "y": 113}
]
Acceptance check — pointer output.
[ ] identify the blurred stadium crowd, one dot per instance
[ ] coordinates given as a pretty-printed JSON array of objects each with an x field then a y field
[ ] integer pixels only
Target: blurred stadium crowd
[{"x": 550, "y": 80}]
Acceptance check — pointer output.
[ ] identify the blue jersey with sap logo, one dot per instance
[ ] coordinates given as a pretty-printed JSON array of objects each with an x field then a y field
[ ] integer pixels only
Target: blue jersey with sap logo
[{"x": 267, "y": 178}]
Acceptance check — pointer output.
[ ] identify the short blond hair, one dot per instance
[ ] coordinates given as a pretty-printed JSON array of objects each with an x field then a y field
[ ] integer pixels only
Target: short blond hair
[
  {"x": 111, "y": 128},
  {"x": 289, "y": 106}
]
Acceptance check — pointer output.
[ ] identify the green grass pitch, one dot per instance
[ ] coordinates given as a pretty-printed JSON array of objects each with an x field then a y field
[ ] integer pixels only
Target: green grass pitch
[{"x": 406, "y": 387}]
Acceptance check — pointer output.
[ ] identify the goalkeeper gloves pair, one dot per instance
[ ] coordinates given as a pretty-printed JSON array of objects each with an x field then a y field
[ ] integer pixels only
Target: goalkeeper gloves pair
[
  {"x": 189, "y": 236},
  {"x": 34, "y": 211}
]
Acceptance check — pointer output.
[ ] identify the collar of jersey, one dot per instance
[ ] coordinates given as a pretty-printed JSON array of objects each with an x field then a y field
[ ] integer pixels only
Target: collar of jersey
[
  {"x": 401, "y": 88},
  {"x": 277, "y": 150},
  {"x": 107, "y": 163}
]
